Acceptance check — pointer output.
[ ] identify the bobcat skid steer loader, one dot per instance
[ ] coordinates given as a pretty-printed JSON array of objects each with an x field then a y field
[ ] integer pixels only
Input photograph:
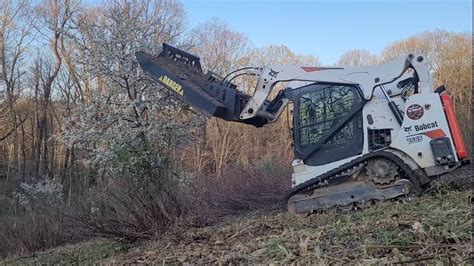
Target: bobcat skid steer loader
[{"x": 361, "y": 134}]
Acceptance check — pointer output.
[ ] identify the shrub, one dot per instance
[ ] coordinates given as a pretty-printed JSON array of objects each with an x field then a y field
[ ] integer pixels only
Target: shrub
[
  {"x": 36, "y": 230},
  {"x": 262, "y": 185},
  {"x": 128, "y": 211},
  {"x": 139, "y": 197},
  {"x": 38, "y": 220},
  {"x": 43, "y": 193}
]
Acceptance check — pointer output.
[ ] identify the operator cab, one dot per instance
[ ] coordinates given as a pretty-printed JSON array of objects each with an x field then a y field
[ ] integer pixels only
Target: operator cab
[{"x": 327, "y": 122}]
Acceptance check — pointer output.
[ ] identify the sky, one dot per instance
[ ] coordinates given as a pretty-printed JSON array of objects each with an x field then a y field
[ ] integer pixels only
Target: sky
[{"x": 327, "y": 29}]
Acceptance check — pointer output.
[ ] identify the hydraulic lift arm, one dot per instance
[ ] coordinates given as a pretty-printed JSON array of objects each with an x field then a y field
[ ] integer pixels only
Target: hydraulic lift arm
[{"x": 181, "y": 73}]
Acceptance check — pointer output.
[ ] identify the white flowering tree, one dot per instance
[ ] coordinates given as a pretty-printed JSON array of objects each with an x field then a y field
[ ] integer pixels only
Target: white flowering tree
[
  {"x": 123, "y": 120},
  {"x": 123, "y": 127}
]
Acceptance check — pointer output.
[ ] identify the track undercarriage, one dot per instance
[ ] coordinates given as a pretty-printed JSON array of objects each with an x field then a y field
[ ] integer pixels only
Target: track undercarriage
[{"x": 357, "y": 184}]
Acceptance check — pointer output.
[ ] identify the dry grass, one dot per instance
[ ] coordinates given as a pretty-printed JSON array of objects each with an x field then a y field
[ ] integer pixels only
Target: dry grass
[
  {"x": 73, "y": 254},
  {"x": 429, "y": 229}
]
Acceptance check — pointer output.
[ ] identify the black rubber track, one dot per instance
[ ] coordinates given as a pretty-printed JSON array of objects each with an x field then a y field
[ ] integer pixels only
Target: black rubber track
[{"x": 313, "y": 183}]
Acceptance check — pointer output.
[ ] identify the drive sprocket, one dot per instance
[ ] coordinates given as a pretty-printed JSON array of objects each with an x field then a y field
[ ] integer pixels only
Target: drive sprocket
[{"x": 381, "y": 171}]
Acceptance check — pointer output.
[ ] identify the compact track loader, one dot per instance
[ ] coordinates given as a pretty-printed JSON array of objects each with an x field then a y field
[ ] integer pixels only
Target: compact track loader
[{"x": 361, "y": 134}]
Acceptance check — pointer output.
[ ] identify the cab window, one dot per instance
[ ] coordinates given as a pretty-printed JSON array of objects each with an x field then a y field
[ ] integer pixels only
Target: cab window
[{"x": 322, "y": 109}]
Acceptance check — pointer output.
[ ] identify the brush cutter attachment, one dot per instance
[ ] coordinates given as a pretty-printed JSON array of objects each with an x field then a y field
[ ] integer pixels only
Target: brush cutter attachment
[{"x": 181, "y": 73}]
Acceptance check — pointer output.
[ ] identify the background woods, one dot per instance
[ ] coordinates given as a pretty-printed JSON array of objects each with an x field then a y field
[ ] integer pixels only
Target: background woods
[{"x": 88, "y": 141}]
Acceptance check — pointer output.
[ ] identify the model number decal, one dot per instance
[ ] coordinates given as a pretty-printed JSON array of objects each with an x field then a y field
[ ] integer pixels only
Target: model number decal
[
  {"x": 172, "y": 84},
  {"x": 415, "y": 139}
]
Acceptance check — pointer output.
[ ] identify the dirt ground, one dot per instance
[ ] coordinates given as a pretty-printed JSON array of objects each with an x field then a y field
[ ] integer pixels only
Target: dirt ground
[{"x": 431, "y": 229}]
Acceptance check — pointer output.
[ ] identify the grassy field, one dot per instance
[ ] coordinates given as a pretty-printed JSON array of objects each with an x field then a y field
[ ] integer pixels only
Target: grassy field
[{"x": 434, "y": 228}]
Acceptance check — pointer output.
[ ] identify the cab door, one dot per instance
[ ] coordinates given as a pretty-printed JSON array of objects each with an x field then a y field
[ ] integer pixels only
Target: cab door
[{"x": 327, "y": 122}]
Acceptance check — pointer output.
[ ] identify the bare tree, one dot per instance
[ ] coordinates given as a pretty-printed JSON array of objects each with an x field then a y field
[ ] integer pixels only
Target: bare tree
[
  {"x": 281, "y": 54},
  {"x": 358, "y": 57},
  {"x": 55, "y": 17},
  {"x": 15, "y": 34},
  {"x": 220, "y": 48}
]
